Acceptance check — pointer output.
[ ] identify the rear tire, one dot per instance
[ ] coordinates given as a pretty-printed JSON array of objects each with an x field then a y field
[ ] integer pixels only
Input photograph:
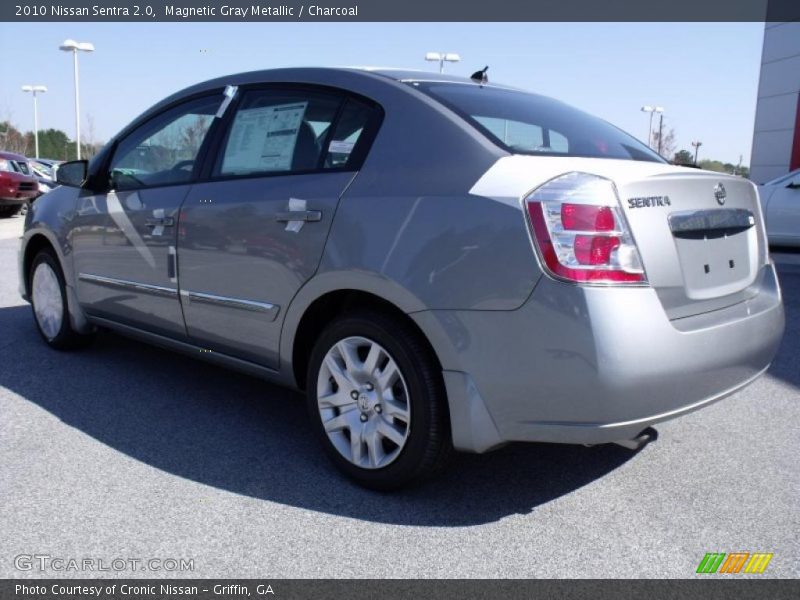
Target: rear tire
[
  {"x": 377, "y": 401},
  {"x": 49, "y": 304}
]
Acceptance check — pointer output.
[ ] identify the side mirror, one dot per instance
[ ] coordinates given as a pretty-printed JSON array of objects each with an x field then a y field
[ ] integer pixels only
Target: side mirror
[{"x": 72, "y": 173}]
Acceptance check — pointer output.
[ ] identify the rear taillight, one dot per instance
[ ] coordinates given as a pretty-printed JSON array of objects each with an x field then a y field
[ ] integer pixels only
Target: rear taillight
[{"x": 580, "y": 232}]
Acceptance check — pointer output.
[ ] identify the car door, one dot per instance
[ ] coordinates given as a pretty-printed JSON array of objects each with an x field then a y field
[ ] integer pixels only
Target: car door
[
  {"x": 783, "y": 212},
  {"x": 253, "y": 234},
  {"x": 124, "y": 240}
]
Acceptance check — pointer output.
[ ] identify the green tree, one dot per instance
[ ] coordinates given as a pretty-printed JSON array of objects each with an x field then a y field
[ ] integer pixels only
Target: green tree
[
  {"x": 712, "y": 165},
  {"x": 683, "y": 157},
  {"x": 55, "y": 144},
  {"x": 721, "y": 167}
]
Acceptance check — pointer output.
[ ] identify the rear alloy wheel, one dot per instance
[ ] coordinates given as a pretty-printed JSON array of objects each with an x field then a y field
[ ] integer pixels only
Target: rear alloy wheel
[
  {"x": 49, "y": 303},
  {"x": 378, "y": 402},
  {"x": 362, "y": 399}
]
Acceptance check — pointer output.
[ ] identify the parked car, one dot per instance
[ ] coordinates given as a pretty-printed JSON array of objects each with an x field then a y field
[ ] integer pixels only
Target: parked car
[
  {"x": 437, "y": 263},
  {"x": 41, "y": 169},
  {"x": 780, "y": 203},
  {"x": 47, "y": 162},
  {"x": 17, "y": 185},
  {"x": 44, "y": 175},
  {"x": 48, "y": 167},
  {"x": 53, "y": 164}
]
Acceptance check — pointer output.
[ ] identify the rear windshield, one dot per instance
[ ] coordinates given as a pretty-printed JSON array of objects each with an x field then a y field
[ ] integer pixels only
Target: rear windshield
[{"x": 524, "y": 123}]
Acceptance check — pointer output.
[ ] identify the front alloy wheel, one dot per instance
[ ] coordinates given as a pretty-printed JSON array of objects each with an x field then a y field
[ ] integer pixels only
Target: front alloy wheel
[
  {"x": 49, "y": 300},
  {"x": 48, "y": 305}
]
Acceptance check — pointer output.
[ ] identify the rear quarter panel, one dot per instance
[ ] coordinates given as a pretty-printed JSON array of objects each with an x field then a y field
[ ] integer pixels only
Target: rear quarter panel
[{"x": 409, "y": 216}]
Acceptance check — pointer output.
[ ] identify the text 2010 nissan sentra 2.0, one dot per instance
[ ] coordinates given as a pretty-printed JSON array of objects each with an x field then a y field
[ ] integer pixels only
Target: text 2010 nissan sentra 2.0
[{"x": 439, "y": 263}]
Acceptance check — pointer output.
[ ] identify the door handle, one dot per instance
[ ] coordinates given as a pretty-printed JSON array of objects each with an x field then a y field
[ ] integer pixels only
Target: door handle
[
  {"x": 307, "y": 216},
  {"x": 162, "y": 222}
]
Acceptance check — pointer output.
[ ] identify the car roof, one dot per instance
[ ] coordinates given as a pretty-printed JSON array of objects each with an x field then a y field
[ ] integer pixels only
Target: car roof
[
  {"x": 320, "y": 74},
  {"x": 411, "y": 74},
  {"x": 418, "y": 75},
  {"x": 11, "y": 155},
  {"x": 333, "y": 76}
]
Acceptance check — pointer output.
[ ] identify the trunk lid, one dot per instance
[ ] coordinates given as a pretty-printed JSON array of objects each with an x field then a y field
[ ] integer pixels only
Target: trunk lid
[{"x": 700, "y": 234}]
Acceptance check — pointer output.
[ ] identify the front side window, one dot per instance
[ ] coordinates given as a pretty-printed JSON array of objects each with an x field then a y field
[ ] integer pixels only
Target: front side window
[
  {"x": 524, "y": 123},
  {"x": 163, "y": 151}
]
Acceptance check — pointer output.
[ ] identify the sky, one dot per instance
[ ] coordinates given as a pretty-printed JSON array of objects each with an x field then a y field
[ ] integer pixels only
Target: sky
[{"x": 705, "y": 75}]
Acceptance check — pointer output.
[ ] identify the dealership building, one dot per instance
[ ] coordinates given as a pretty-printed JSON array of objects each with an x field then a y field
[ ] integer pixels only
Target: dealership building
[{"x": 776, "y": 136}]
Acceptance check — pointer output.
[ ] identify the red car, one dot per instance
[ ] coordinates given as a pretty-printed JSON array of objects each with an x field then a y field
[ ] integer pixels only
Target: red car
[{"x": 16, "y": 187}]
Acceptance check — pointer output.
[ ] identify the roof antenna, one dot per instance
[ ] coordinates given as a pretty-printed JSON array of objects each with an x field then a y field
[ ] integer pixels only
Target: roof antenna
[{"x": 480, "y": 77}]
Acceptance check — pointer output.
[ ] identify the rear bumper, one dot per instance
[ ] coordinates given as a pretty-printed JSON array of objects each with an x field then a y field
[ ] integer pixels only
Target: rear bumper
[{"x": 592, "y": 365}]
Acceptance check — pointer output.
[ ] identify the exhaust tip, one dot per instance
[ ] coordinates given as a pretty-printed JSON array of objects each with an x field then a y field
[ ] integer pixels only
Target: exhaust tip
[{"x": 640, "y": 441}]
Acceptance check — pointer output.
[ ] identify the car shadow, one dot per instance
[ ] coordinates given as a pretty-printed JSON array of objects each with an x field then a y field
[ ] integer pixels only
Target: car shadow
[{"x": 246, "y": 436}]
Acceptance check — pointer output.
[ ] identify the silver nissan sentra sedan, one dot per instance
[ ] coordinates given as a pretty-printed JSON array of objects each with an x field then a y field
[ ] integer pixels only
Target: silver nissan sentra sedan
[{"x": 437, "y": 262}]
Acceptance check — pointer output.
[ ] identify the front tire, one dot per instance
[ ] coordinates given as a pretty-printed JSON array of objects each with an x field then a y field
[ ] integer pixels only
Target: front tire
[
  {"x": 49, "y": 303},
  {"x": 377, "y": 401}
]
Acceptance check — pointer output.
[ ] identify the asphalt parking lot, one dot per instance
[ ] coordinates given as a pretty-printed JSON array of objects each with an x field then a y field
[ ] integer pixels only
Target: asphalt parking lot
[{"x": 126, "y": 451}]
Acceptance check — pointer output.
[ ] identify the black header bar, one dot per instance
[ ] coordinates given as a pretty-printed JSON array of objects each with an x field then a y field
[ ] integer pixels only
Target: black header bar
[{"x": 398, "y": 10}]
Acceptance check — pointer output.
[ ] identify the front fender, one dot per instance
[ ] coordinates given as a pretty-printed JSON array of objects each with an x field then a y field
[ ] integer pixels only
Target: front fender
[{"x": 49, "y": 220}]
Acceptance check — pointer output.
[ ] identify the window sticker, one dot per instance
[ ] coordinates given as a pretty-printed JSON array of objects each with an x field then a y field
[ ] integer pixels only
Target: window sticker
[
  {"x": 263, "y": 138},
  {"x": 229, "y": 93},
  {"x": 340, "y": 147}
]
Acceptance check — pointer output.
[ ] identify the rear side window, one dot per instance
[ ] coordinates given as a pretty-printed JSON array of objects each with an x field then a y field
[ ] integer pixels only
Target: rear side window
[
  {"x": 524, "y": 123},
  {"x": 276, "y": 131},
  {"x": 349, "y": 137}
]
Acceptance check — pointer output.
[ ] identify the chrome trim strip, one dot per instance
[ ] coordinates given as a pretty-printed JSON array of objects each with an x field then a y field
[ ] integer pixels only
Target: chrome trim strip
[
  {"x": 251, "y": 305},
  {"x": 710, "y": 220},
  {"x": 124, "y": 284}
]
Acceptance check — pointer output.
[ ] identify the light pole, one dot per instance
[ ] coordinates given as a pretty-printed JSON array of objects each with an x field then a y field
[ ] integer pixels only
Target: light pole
[
  {"x": 696, "y": 145},
  {"x": 35, "y": 89},
  {"x": 441, "y": 58},
  {"x": 75, "y": 47},
  {"x": 651, "y": 110}
]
